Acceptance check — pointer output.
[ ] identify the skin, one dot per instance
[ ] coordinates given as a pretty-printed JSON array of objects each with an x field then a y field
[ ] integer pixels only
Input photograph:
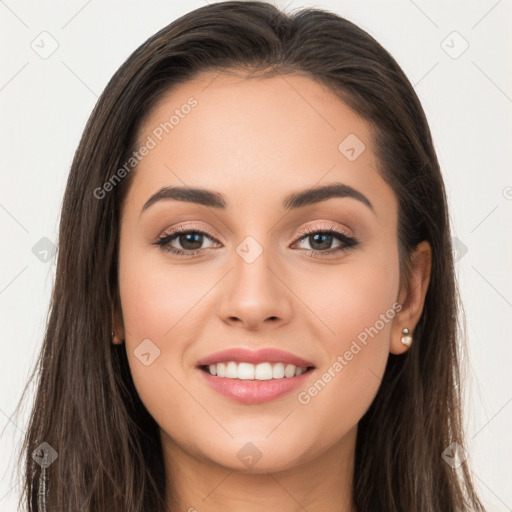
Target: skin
[{"x": 255, "y": 141}]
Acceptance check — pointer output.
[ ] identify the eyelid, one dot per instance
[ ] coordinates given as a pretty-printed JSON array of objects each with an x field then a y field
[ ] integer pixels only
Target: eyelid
[
  {"x": 313, "y": 228},
  {"x": 325, "y": 227},
  {"x": 185, "y": 229}
]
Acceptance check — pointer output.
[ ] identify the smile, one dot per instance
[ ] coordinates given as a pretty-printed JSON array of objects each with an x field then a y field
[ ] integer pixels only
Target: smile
[
  {"x": 263, "y": 387},
  {"x": 249, "y": 371}
]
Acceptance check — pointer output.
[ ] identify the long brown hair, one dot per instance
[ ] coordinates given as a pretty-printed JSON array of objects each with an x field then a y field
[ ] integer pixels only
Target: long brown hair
[{"x": 86, "y": 406}]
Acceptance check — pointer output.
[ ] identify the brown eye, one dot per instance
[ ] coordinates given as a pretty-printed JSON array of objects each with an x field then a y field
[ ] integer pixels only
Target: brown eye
[
  {"x": 189, "y": 241},
  {"x": 321, "y": 240}
]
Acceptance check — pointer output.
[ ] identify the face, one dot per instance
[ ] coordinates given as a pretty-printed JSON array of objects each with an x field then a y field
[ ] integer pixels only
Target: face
[{"x": 252, "y": 268}]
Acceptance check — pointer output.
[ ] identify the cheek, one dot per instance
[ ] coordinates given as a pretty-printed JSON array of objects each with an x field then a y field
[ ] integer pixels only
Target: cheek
[
  {"x": 356, "y": 307},
  {"x": 157, "y": 302},
  {"x": 346, "y": 299},
  {"x": 156, "y": 297}
]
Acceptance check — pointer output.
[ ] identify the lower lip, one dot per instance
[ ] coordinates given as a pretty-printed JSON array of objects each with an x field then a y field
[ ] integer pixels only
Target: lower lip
[{"x": 254, "y": 391}]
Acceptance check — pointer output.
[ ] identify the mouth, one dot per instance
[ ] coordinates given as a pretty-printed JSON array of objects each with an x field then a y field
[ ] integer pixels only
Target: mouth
[
  {"x": 255, "y": 372},
  {"x": 262, "y": 387},
  {"x": 253, "y": 377}
]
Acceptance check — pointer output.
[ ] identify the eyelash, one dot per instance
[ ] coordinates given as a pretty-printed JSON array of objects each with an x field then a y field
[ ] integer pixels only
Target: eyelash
[{"x": 347, "y": 242}]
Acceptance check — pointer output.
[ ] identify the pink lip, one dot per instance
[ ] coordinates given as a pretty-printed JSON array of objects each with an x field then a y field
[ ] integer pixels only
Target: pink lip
[
  {"x": 241, "y": 355},
  {"x": 254, "y": 391}
]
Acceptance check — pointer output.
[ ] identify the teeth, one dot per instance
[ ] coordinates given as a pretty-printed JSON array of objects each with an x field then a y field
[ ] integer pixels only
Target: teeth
[{"x": 248, "y": 371}]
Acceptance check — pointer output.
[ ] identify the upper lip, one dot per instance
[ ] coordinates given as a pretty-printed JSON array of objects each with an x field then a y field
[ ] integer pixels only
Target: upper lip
[{"x": 241, "y": 355}]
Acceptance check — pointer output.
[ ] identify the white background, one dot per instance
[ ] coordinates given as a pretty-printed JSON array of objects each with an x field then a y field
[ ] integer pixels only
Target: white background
[{"x": 468, "y": 101}]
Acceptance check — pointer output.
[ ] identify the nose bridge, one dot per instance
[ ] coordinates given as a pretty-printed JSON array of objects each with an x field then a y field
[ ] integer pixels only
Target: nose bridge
[
  {"x": 252, "y": 263},
  {"x": 255, "y": 293}
]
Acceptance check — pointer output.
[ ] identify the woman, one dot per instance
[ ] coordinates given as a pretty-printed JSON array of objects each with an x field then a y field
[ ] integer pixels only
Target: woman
[{"x": 302, "y": 353}]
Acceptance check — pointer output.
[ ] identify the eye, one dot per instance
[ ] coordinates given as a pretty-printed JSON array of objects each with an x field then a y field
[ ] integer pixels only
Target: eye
[
  {"x": 191, "y": 240},
  {"x": 321, "y": 240}
]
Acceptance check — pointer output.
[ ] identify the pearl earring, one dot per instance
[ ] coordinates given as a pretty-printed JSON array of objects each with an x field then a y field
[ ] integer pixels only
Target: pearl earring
[{"x": 406, "y": 339}]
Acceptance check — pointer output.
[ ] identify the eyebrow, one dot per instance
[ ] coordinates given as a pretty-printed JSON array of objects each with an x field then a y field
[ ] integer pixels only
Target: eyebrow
[{"x": 295, "y": 200}]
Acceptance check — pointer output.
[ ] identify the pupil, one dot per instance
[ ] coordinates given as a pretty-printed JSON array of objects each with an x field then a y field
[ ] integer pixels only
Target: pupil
[
  {"x": 191, "y": 239},
  {"x": 324, "y": 245}
]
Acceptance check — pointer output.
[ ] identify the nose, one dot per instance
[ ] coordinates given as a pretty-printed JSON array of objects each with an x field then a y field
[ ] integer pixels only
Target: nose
[{"x": 255, "y": 296}]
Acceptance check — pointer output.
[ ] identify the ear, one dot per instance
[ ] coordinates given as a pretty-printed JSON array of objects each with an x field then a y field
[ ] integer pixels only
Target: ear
[
  {"x": 118, "y": 325},
  {"x": 412, "y": 297}
]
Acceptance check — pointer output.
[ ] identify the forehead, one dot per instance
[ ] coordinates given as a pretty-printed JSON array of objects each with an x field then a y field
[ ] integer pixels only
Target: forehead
[{"x": 253, "y": 139}]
